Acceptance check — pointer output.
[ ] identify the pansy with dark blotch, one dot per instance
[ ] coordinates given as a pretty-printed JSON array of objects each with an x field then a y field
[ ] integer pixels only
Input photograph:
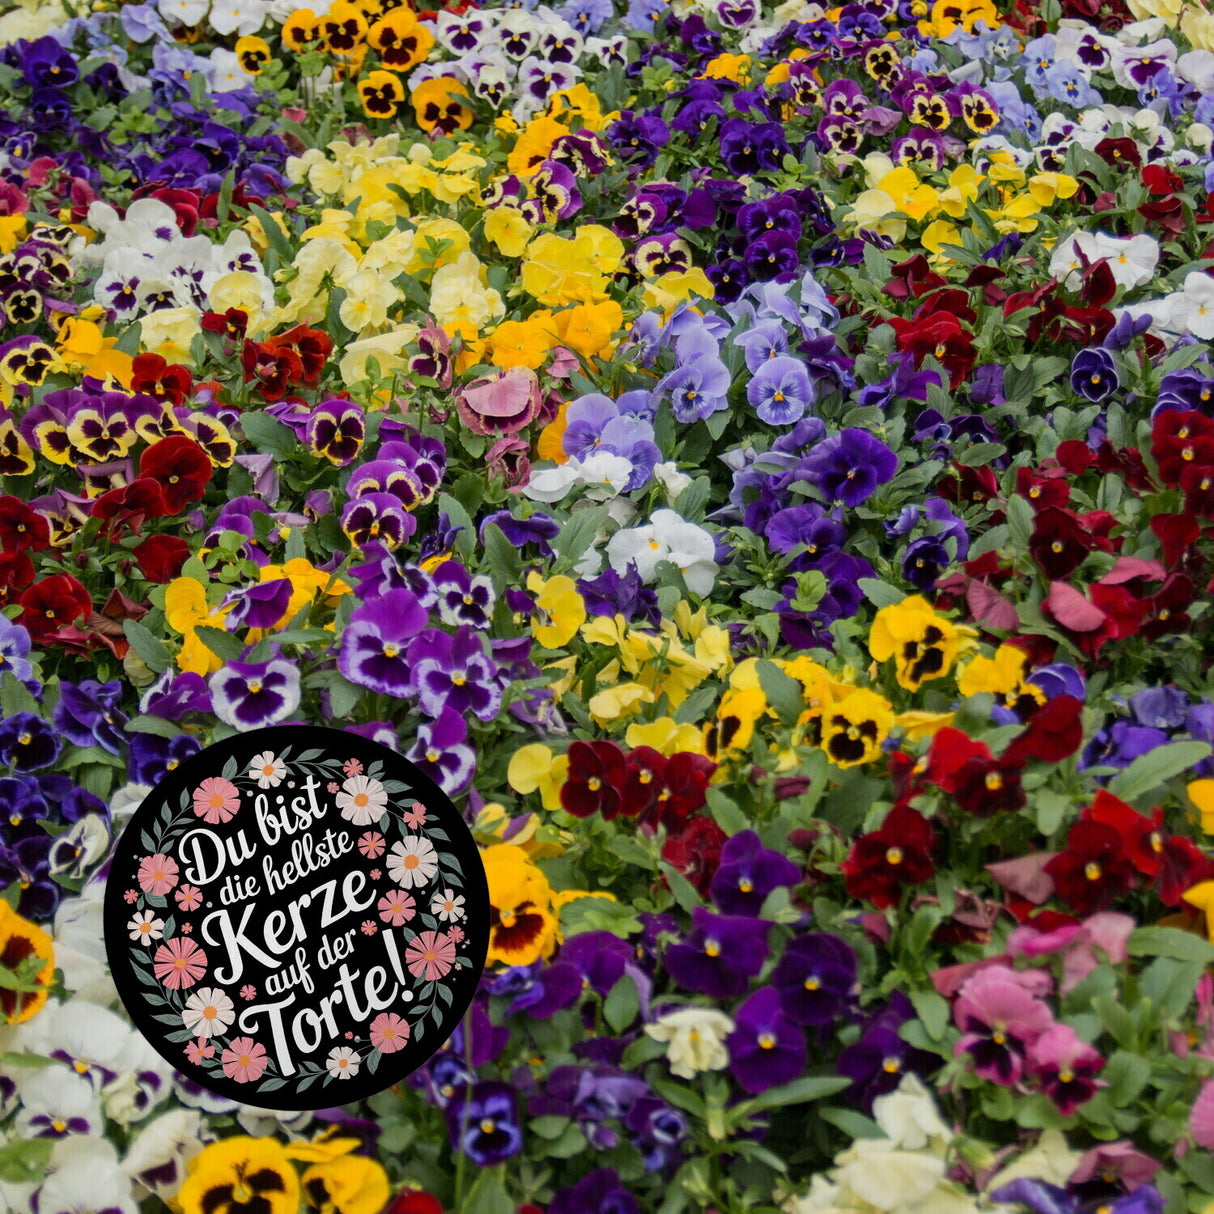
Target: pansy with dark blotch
[
  {"x": 175, "y": 695},
  {"x": 336, "y": 431},
  {"x": 600, "y": 1190},
  {"x": 253, "y": 695},
  {"x": 377, "y": 518},
  {"x": 442, "y": 752},
  {"x": 23, "y": 808},
  {"x": 26, "y": 864},
  {"x": 592, "y": 1095},
  {"x": 720, "y": 954},
  {"x": 453, "y": 671},
  {"x": 374, "y": 643},
  {"x": 850, "y": 466},
  {"x": 877, "y": 1062},
  {"x": 463, "y": 598},
  {"x": 766, "y": 1046},
  {"x": 261, "y": 605}
]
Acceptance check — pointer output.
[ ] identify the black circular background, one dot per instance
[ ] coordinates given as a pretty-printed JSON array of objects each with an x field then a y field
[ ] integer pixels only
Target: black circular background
[{"x": 462, "y": 981}]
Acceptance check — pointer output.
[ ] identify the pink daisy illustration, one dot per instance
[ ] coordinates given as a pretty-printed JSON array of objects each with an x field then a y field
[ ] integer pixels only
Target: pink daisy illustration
[
  {"x": 179, "y": 963},
  {"x": 131, "y": 895},
  {"x": 389, "y": 1033},
  {"x": 157, "y": 874},
  {"x": 370, "y": 927},
  {"x": 199, "y": 1050},
  {"x": 397, "y": 907},
  {"x": 415, "y": 815},
  {"x": 371, "y": 845},
  {"x": 248, "y": 991},
  {"x": 352, "y": 768},
  {"x": 189, "y": 897},
  {"x": 430, "y": 956},
  {"x": 244, "y": 1061},
  {"x": 216, "y": 800}
]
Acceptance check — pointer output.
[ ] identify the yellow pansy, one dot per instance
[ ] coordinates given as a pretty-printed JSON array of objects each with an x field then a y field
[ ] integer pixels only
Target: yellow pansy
[
  {"x": 962, "y": 189},
  {"x": 19, "y": 939},
  {"x": 727, "y": 67},
  {"x": 533, "y": 145},
  {"x": 1201, "y": 897},
  {"x": 665, "y": 735},
  {"x": 522, "y": 923},
  {"x": 535, "y": 768},
  {"x": 1019, "y": 214},
  {"x": 854, "y": 729},
  {"x": 12, "y": 231},
  {"x": 918, "y": 725},
  {"x": 588, "y": 329},
  {"x": 230, "y": 1175},
  {"x": 937, "y": 234},
  {"x": 350, "y": 1184},
  {"x": 999, "y": 675},
  {"x": 1201, "y": 793},
  {"x": 508, "y": 229},
  {"x": 876, "y": 211},
  {"x": 83, "y": 347},
  {"x": 913, "y": 198},
  {"x": 583, "y": 109},
  {"x": 1047, "y": 187},
  {"x": 622, "y": 700},
  {"x": 560, "y": 605},
  {"x": 185, "y": 608},
  {"x": 523, "y": 343},
  {"x": 677, "y": 287},
  {"x": 924, "y": 645},
  {"x": 734, "y": 725},
  {"x": 435, "y": 230}
]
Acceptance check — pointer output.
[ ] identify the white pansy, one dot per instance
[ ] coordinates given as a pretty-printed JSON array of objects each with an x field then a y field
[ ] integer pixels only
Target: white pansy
[
  {"x": 80, "y": 947},
  {"x": 56, "y": 1103},
  {"x": 184, "y": 12},
  {"x": 1192, "y": 308},
  {"x": 90, "y": 1039},
  {"x": 666, "y": 537},
  {"x": 264, "y": 1123},
  {"x": 673, "y": 481},
  {"x": 909, "y": 1116},
  {"x": 695, "y": 1038},
  {"x": 85, "y": 1178},
  {"x": 156, "y": 1160},
  {"x": 226, "y": 71},
  {"x": 1050, "y": 1160},
  {"x": 145, "y": 1081},
  {"x": 126, "y": 800},
  {"x": 74, "y": 853},
  {"x": 1131, "y": 260},
  {"x": 239, "y": 17},
  {"x": 887, "y": 1178}
]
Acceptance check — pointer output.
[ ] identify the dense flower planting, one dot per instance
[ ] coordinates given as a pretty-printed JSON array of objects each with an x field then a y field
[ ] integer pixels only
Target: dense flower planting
[{"x": 758, "y": 460}]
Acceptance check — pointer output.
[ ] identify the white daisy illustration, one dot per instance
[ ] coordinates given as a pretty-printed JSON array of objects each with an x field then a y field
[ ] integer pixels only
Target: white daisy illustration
[
  {"x": 208, "y": 1012},
  {"x": 145, "y": 928},
  {"x": 361, "y": 800},
  {"x": 267, "y": 769},
  {"x": 412, "y": 862},
  {"x": 342, "y": 1063}
]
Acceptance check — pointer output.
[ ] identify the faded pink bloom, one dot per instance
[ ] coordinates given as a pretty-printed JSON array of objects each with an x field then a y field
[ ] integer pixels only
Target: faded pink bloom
[
  {"x": 1201, "y": 1118},
  {"x": 244, "y": 1061},
  {"x": 248, "y": 991},
  {"x": 1000, "y": 1017},
  {"x": 456, "y": 933},
  {"x": 430, "y": 956},
  {"x": 389, "y": 1033},
  {"x": 189, "y": 897},
  {"x": 500, "y": 404},
  {"x": 131, "y": 895},
  {"x": 179, "y": 963},
  {"x": 371, "y": 845},
  {"x": 332, "y": 786},
  {"x": 397, "y": 907},
  {"x": 157, "y": 874},
  {"x": 216, "y": 800},
  {"x": 508, "y": 460}
]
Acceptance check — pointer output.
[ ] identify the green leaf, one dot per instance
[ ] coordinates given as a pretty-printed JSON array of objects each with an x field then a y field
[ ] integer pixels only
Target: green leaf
[
  {"x": 155, "y": 725},
  {"x": 343, "y": 697},
  {"x": 502, "y": 557},
  {"x": 933, "y": 1011},
  {"x": 549, "y": 1127},
  {"x": 621, "y": 1005},
  {"x": 269, "y": 435},
  {"x": 725, "y": 812},
  {"x": 1156, "y": 767},
  {"x": 682, "y": 889},
  {"x": 576, "y": 536},
  {"x": 691, "y": 502},
  {"x": 851, "y": 1122},
  {"x": 1019, "y": 521},
  {"x": 800, "y": 1091},
  {"x": 980, "y": 453},
  {"x": 15, "y": 696},
  {"x": 1126, "y": 1074},
  {"x": 879, "y": 593},
  {"x": 783, "y": 692},
  {"x": 488, "y": 1195},
  {"x": 25, "y": 1160},
  {"x": 1169, "y": 942},
  {"x": 222, "y": 644},
  {"x": 150, "y": 650}
]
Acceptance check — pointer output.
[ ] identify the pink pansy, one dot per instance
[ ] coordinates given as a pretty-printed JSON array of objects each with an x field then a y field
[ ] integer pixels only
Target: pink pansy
[
  {"x": 415, "y": 815},
  {"x": 244, "y": 1061},
  {"x": 371, "y": 844},
  {"x": 389, "y": 1033},
  {"x": 216, "y": 800},
  {"x": 179, "y": 963},
  {"x": 501, "y": 403},
  {"x": 1119, "y": 1160},
  {"x": 1065, "y": 1067},
  {"x": 1000, "y": 1017},
  {"x": 1201, "y": 1118},
  {"x": 157, "y": 874},
  {"x": 189, "y": 897},
  {"x": 397, "y": 907},
  {"x": 430, "y": 956},
  {"x": 1103, "y": 939},
  {"x": 352, "y": 767}
]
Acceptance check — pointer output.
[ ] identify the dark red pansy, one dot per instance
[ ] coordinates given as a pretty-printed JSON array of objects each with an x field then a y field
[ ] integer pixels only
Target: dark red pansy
[
  {"x": 168, "y": 382},
  {"x": 22, "y": 528},
  {"x": 130, "y": 505},
  {"x": 180, "y": 466},
  {"x": 696, "y": 852},
  {"x": 161, "y": 557},
  {"x": 881, "y": 863},
  {"x": 274, "y": 371},
  {"x": 52, "y": 603},
  {"x": 1054, "y": 733},
  {"x": 596, "y": 779},
  {"x": 1094, "y": 870},
  {"x": 1176, "y": 533}
]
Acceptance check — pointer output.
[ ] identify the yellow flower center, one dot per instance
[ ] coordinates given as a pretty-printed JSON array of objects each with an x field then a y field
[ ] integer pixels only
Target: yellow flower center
[
  {"x": 894, "y": 855},
  {"x": 1092, "y": 871}
]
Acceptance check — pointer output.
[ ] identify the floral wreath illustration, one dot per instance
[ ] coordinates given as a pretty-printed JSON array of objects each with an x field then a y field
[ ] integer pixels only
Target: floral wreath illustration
[{"x": 174, "y": 968}]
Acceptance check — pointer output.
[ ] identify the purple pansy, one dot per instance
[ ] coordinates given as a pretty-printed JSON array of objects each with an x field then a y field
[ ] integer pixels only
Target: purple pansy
[{"x": 253, "y": 695}]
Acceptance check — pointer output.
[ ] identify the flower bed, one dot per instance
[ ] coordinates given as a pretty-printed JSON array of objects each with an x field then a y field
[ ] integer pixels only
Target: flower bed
[{"x": 758, "y": 461}]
